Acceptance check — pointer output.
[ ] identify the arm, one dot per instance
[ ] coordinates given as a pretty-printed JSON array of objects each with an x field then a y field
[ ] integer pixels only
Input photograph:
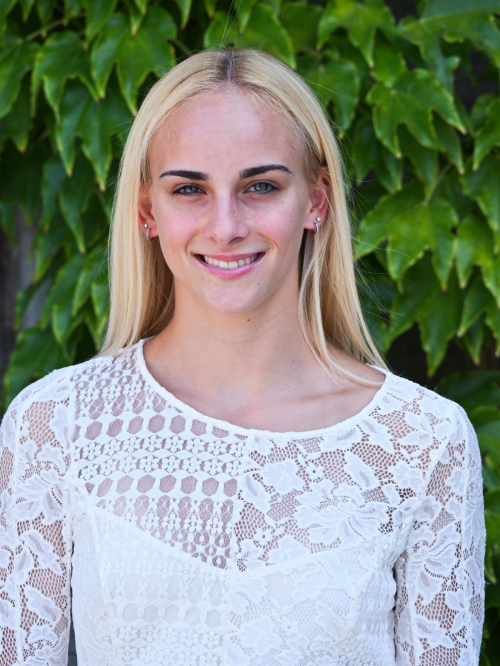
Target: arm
[
  {"x": 35, "y": 537},
  {"x": 440, "y": 574}
]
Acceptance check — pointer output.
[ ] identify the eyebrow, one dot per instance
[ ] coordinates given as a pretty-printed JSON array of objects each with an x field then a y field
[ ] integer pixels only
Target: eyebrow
[{"x": 246, "y": 173}]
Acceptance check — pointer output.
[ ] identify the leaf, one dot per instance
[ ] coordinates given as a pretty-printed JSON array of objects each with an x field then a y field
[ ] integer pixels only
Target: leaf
[
  {"x": 53, "y": 180},
  {"x": 135, "y": 56},
  {"x": 98, "y": 14},
  {"x": 474, "y": 339},
  {"x": 16, "y": 125},
  {"x": 20, "y": 175},
  {"x": 221, "y": 31},
  {"x": 474, "y": 247},
  {"x": 185, "y": 10},
  {"x": 48, "y": 243},
  {"x": 95, "y": 123},
  {"x": 337, "y": 82},
  {"x": 467, "y": 19},
  {"x": 369, "y": 153},
  {"x": 436, "y": 312},
  {"x": 448, "y": 141},
  {"x": 57, "y": 307},
  {"x": 412, "y": 225},
  {"x": 275, "y": 5},
  {"x": 492, "y": 598},
  {"x": 450, "y": 188},
  {"x": 489, "y": 134},
  {"x": 95, "y": 263},
  {"x": 210, "y": 7},
  {"x": 135, "y": 16},
  {"x": 62, "y": 57},
  {"x": 478, "y": 301},
  {"x": 243, "y": 13},
  {"x": 72, "y": 8},
  {"x": 482, "y": 185},
  {"x": 86, "y": 319},
  {"x": 478, "y": 114},
  {"x": 13, "y": 66},
  {"x": 24, "y": 299},
  {"x": 361, "y": 20},
  {"x": 389, "y": 64},
  {"x": 100, "y": 295},
  {"x": 472, "y": 390},
  {"x": 5, "y": 7},
  {"x": 492, "y": 497},
  {"x": 411, "y": 100},
  {"x": 263, "y": 31},
  {"x": 376, "y": 294},
  {"x": 416, "y": 32},
  {"x": 26, "y": 6},
  {"x": 425, "y": 161},
  {"x": 75, "y": 197},
  {"x": 45, "y": 9},
  {"x": 301, "y": 23},
  {"x": 35, "y": 355}
]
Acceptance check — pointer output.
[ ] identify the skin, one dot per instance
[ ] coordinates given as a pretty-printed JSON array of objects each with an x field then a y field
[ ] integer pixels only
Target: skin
[{"x": 234, "y": 349}]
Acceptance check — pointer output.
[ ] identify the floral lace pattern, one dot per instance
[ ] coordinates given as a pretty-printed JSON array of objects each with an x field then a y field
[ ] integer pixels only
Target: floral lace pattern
[{"x": 175, "y": 538}]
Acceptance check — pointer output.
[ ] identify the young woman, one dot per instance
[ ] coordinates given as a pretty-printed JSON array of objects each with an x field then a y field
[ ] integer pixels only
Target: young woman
[{"x": 237, "y": 479}]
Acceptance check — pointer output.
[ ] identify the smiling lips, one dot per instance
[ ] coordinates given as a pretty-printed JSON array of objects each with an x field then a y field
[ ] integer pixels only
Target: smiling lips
[
  {"x": 230, "y": 269},
  {"x": 230, "y": 262}
]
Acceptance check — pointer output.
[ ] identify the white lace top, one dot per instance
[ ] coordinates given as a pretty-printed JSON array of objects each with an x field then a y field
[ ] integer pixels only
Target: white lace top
[{"x": 177, "y": 539}]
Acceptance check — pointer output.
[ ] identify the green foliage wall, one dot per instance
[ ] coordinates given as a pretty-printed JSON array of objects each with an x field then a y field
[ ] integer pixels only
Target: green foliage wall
[{"x": 425, "y": 170}]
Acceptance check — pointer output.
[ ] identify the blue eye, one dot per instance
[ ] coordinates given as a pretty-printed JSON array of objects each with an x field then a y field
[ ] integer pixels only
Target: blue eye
[
  {"x": 259, "y": 191},
  {"x": 183, "y": 187},
  {"x": 264, "y": 191}
]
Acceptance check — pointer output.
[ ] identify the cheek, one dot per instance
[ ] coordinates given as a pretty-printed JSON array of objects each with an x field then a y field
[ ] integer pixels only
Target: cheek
[
  {"x": 175, "y": 225},
  {"x": 282, "y": 226}
]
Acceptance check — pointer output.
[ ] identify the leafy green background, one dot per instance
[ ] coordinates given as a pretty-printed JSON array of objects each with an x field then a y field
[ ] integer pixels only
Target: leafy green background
[{"x": 424, "y": 169}]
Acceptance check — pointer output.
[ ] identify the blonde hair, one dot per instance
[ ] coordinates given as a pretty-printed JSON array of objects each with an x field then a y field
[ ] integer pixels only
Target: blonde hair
[{"x": 141, "y": 283}]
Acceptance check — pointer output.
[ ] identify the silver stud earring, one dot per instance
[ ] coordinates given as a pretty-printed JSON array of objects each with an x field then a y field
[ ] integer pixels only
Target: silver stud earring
[
  {"x": 147, "y": 232},
  {"x": 318, "y": 219}
]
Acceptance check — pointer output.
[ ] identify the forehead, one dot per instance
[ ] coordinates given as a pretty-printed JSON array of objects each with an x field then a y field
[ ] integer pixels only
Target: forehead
[{"x": 229, "y": 125}]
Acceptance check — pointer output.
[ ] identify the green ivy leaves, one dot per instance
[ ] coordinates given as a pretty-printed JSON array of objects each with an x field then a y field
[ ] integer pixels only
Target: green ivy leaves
[
  {"x": 411, "y": 100},
  {"x": 135, "y": 55},
  {"x": 72, "y": 76},
  {"x": 62, "y": 57},
  {"x": 411, "y": 224},
  {"x": 95, "y": 123},
  {"x": 361, "y": 20},
  {"x": 14, "y": 64}
]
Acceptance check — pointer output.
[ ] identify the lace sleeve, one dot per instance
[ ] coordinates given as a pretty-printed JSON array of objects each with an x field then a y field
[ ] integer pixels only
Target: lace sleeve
[
  {"x": 440, "y": 575},
  {"x": 35, "y": 536}
]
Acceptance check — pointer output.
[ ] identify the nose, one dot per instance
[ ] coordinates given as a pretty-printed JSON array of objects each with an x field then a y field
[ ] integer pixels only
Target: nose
[{"x": 226, "y": 220}]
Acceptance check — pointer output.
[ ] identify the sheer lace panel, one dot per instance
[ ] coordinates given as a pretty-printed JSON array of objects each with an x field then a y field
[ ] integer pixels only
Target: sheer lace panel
[
  {"x": 439, "y": 610},
  {"x": 35, "y": 539},
  {"x": 196, "y": 544}
]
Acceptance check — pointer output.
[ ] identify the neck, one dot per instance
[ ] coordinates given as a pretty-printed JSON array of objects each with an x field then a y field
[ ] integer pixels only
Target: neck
[{"x": 246, "y": 358}]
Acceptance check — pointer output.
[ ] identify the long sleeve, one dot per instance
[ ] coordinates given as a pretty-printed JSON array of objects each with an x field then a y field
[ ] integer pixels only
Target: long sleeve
[
  {"x": 440, "y": 575},
  {"x": 35, "y": 530}
]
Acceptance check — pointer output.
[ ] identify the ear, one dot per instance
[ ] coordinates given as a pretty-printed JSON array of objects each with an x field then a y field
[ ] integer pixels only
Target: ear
[
  {"x": 145, "y": 211},
  {"x": 318, "y": 198}
]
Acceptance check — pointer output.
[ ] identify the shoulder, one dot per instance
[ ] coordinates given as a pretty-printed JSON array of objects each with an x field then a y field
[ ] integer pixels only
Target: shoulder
[
  {"x": 419, "y": 400},
  {"x": 428, "y": 419},
  {"x": 58, "y": 388}
]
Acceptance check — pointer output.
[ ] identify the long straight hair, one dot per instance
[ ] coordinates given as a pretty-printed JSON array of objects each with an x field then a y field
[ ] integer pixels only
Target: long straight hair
[{"x": 141, "y": 283}]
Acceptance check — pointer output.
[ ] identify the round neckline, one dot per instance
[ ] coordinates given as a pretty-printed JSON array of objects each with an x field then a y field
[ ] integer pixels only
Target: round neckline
[{"x": 232, "y": 427}]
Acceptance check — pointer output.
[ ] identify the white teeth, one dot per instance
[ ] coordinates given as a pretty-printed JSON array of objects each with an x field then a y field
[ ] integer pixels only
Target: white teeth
[{"x": 230, "y": 264}]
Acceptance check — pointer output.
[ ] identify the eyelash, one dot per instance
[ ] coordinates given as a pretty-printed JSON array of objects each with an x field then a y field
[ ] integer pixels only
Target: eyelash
[{"x": 187, "y": 194}]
